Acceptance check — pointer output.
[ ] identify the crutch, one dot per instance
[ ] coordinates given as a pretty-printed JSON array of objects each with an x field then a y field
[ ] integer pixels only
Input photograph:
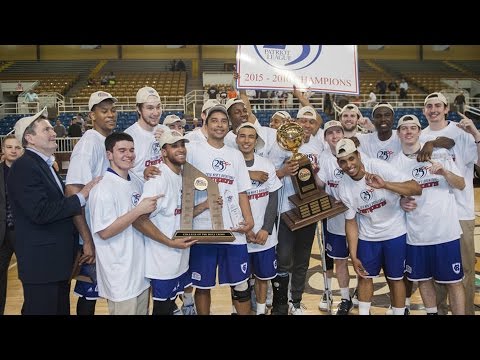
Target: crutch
[{"x": 320, "y": 239}]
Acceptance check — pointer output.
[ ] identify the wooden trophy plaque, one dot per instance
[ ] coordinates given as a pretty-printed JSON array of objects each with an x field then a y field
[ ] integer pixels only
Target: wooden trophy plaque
[
  {"x": 195, "y": 180},
  {"x": 311, "y": 203}
]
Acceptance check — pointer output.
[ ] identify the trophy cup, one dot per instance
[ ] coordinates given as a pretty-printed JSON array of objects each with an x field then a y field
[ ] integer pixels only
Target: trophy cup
[
  {"x": 195, "y": 180},
  {"x": 312, "y": 203}
]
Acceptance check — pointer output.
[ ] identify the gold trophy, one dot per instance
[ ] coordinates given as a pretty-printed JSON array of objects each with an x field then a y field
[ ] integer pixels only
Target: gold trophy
[{"x": 312, "y": 203}]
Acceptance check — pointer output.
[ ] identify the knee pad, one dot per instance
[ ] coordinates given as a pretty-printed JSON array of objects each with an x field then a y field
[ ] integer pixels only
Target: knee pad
[{"x": 241, "y": 292}]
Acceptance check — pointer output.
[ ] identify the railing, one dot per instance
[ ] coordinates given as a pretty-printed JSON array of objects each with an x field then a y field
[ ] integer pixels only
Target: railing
[
  {"x": 125, "y": 103},
  {"x": 188, "y": 103}
]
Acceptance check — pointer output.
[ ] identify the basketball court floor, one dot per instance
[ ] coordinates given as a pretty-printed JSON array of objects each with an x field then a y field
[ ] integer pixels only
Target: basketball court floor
[{"x": 221, "y": 303}]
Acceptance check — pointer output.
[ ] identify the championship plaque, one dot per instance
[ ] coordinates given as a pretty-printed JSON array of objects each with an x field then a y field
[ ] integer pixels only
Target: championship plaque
[
  {"x": 195, "y": 180},
  {"x": 312, "y": 203}
]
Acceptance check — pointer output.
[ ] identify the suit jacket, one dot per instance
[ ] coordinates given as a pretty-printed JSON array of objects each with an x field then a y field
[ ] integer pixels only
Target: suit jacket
[
  {"x": 45, "y": 245},
  {"x": 3, "y": 207}
]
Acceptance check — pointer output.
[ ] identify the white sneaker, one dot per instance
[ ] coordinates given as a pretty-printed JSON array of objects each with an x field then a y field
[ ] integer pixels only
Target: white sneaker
[
  {"x": 297, "y": 309},
  {"x": 389, "y": 311},
  {"x": 323, "y": 304}
]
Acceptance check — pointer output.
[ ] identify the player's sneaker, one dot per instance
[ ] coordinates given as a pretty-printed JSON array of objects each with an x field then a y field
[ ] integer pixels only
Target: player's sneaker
[
  {"x": 344, "y": 307},
  {"x": 323, "y": 304},
  {"x": 189, "y": 309},
  {"x": 390, "y": 310},
  {"x": 297, "y": 308}
]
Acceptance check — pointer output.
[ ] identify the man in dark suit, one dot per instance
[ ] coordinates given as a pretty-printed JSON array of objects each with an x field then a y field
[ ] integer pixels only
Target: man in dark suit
[
  {"x": 45, "y": 244},
  {"x": 12, "y": 150}
]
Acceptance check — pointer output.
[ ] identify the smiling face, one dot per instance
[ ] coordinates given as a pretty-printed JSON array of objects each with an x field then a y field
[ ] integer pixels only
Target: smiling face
[
  {"x": 104, "y": 117},
  {"x": 309, "y": 126},
  {"x": 150, "y": 113},
  {"x": 332, "y": 136},
  {"x": 42, "y": 137},
  {"x": 122, "y": 156},
  {"x": 383, "y": 120},
  {"x": 349, "y": 120},
  {"x": 238, "y": 114},
  {"x": 246, "y": 140},
  {"x": 409, "y": 134},
  {"x": 175, "y": 154},
  {"x": 435, "y": 111},
  {"x": 217, "y": 125},
  {"x": 352, "y": 165}
]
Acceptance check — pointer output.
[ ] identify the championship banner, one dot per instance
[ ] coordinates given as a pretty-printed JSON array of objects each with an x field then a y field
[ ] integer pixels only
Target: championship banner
[{"x": 319, "y": 68}]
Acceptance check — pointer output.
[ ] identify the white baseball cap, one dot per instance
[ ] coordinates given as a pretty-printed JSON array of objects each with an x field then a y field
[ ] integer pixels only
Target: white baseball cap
[
  {"x": 260, "y": 142},
  {"x": 383, "y": 105},
  {"x": 283, "y": 114},
  {"x": 208, "y": 104},
  {"x": 436, "y": 96},
  {"x": 219, "y": 107},
  {"x": 408, "y": 119},
  {"x": 231, "y": 102},
  {"x": 351, "y": 107},
  {"x": 170, "y": 119},
  {"x": 144, "y": 93},
  {"x": 97, "y": 97},
  {"x": 25, "y": 122},
  {"x": 171, "y": 137},
  {"x": 345, "y": 147},
  {"x": 332, "y": 123},
  {"x": 302, "y": 113}
]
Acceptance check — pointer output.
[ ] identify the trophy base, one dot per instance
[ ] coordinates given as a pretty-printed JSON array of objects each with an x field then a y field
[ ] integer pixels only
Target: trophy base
[
  {"x": 206, "y": 235},
  {"x": 314, "y": 204},
  {"x": 296, "y": 219}
]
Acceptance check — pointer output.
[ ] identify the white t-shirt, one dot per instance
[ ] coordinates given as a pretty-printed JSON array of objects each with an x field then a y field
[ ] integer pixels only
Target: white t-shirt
[
  {"x": 147, "y": 149},
  {"x": 378, "y": 211},
  {"x": 196, "y": 135},
  {"x": 268, "y": 135},
  {"x": 384, "y": 150},
  {"x": 331, "y": 174},
  {"x": 258, "y": 196},
  {"x": 161, "y": 261},
  {"x": 121, "y": 258},
  {"x": 88, "y": 160},
  {"x": 435, "y": 220},
  {"x": 226, "y": 166},
  {"x": 464, "y": 154}
]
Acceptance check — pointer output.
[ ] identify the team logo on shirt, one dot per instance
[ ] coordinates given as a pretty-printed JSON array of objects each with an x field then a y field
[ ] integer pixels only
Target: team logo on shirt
[
  {"x": 156, "y": 148},
  {"x": 219, "y": 164},
  {"x": 366, "y": 195},
  {"x": 384, "y": 154},
  {"x": 338, "y": 173},
  {"x": 255, "y": 183},
  {"x": 456, "y": 268},
  {"x": 244, "y": 267},
  {"x": 275, "y": 263},
  {"x": 135, "y": 198},
  {"x": 419, "y": 171}
]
